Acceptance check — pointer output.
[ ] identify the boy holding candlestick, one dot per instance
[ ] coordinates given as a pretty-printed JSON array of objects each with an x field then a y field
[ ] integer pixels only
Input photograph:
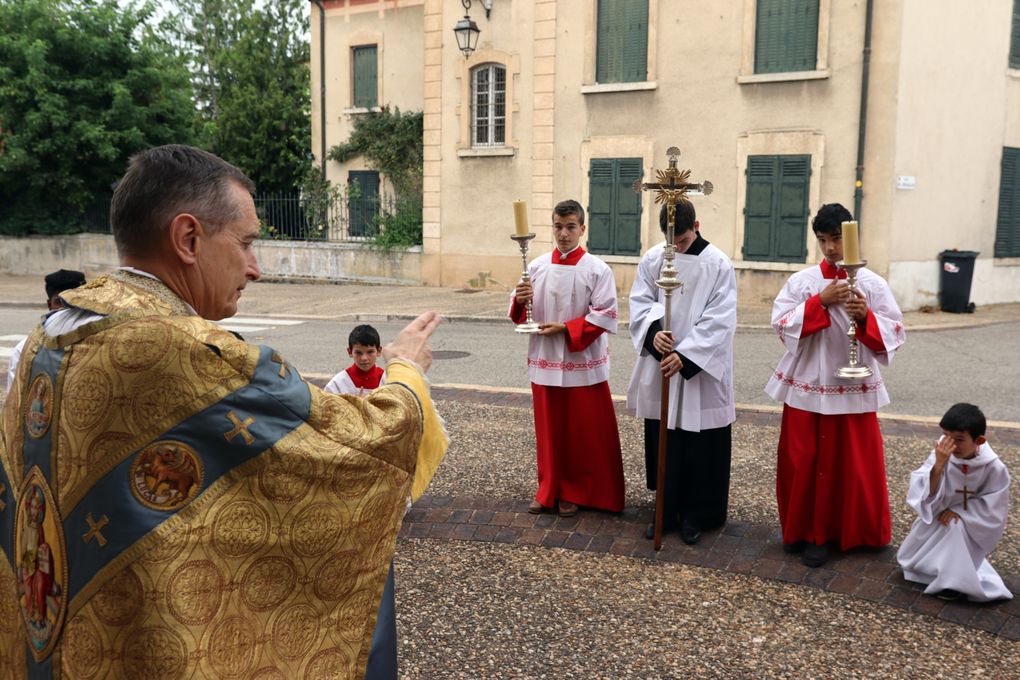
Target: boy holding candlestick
[
  {"x": 961, "y": 497},
  {"x": 573, "y": 296},
  {"x": 830, "y": 481}
]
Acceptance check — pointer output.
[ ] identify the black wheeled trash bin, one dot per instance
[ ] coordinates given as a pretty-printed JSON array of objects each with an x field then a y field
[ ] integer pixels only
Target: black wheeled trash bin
[{"x": 955, "y": 279}]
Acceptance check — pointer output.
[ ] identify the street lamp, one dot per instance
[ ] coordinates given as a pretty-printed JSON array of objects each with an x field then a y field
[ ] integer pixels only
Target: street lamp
[{"x": 466, "y": 31}]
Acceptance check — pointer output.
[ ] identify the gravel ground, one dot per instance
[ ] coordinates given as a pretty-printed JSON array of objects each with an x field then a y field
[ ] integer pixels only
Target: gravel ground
[
  {"x": 482, "y": 610},
  {"x": 492, "y": 454}
]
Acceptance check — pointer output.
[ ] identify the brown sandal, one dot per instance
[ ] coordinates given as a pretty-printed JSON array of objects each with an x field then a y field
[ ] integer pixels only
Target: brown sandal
[
  {"x": 536, "y": 508},
  {"x": 567, "y": 509}
]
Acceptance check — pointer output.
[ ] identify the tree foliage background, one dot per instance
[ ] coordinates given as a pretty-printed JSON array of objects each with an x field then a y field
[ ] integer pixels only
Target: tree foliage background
[
  {"x": 86, "y": 83},
  {"x": 83, "y": 85},
  {"x": 249, "y": 65}
]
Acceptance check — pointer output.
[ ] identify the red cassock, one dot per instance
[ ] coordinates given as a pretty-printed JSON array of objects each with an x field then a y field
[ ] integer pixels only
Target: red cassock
[{"x": 576, "y": 436}]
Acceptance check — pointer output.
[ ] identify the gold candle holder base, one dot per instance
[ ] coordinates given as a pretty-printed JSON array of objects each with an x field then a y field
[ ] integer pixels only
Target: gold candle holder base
[
  {"x": 529, "y": 326},
  {"x": 853, "y": 370}
]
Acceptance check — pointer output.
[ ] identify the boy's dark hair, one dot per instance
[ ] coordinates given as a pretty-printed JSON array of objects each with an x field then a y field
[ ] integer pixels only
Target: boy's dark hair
[
  {"x": 61, "y": 280},
  {"x": 685, "y": 218},
  {"x": 964, "y": 417},
  {"x": 569, "y": 207},
  {"x": 830, "y": 219},
  {"x": 363, "y": 335}
]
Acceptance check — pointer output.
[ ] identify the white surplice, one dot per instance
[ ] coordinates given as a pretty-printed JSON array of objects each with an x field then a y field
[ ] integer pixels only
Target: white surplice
[
  {"x": 805, "y": 378},
  {"x": 564, "y": 293},
  {"x": 703, "y": 319},
  {"x": 953, "y": 556}
]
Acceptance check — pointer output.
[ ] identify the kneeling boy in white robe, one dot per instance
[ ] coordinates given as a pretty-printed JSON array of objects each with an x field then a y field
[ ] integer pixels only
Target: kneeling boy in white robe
[{"x": 961, "y": 497}]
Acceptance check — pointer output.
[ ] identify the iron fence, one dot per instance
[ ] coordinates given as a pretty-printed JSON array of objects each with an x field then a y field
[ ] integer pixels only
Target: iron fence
[{"x": 291, "y": 215}]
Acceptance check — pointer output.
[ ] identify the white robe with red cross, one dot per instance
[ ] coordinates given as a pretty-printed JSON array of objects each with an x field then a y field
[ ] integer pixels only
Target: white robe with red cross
[{"x": 953, "y": 556}]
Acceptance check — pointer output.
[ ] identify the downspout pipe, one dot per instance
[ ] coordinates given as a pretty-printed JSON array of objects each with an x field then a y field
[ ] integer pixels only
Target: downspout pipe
[
  {"x": 862, "y": 123},
  {"x": 322, "y": 87}
]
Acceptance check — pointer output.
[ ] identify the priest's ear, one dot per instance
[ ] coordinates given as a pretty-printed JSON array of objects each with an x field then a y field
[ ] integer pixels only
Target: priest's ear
[{"x": 184, "y": 231}]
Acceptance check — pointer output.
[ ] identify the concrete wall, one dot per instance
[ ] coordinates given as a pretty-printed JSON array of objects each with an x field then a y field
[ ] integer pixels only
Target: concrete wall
[
  {"x": 959, "y": 105},
  {"x": 95, "y": 253}
]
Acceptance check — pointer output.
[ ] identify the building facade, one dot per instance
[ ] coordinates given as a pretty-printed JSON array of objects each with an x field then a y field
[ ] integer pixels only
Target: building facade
[{"x": 578, "y": 98}]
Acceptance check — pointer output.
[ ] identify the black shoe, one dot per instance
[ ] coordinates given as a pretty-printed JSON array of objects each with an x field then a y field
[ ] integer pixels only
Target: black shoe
[
  {"x": 690, "y": 533},
  {"x": 814, "y": 555},
  {"x": 949, "y": 594},
  {"x": 794, "y": 548},
  {"x": 667, "y": 526}
]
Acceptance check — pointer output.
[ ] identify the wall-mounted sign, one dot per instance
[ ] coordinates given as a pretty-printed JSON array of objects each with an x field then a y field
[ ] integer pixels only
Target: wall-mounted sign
[{"x": 906, "y": 182}]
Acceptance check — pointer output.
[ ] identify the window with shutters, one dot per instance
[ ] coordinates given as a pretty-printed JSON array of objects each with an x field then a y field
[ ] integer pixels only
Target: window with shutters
[
  {"x": 614, "y": 208},
  {"x": 1007, "y": 226},
  {"x": 1014, "y": 43},
  {"x": 621, "y": 50},
  {"x": 786, "y": 36},
  {"x": 776, "y": 211},
  {"x": 488, "y": 105},
  {"x": 364, "y": 68},
  {"x": 362, "y": 202}
]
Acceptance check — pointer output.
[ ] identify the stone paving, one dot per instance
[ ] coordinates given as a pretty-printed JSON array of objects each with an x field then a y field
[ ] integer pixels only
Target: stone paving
[{"x": 739, "y": 547}]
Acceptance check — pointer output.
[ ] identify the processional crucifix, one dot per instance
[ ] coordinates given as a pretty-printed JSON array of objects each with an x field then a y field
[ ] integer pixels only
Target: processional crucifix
[{"x": 671, "y": 189}]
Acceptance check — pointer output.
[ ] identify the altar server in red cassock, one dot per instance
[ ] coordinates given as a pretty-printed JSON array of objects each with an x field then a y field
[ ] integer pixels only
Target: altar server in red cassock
[
  {"x": 830, "y": 480},
  {"x": 574, "y": 301}
]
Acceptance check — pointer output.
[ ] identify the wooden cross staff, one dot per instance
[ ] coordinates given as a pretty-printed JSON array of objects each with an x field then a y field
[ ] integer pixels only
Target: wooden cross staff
[{"x": 671, "y": 189}]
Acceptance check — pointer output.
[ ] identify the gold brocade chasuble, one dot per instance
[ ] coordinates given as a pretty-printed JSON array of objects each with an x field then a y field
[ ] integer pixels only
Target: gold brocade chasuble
[{"x": 177, "y": 503}]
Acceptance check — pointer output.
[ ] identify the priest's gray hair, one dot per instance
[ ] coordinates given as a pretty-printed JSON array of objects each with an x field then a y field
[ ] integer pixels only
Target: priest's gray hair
[{"x": 166, "y": 181}]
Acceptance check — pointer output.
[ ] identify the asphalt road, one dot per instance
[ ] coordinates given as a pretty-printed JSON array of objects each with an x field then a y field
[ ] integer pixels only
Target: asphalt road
[{"x": 934, "y": 370}]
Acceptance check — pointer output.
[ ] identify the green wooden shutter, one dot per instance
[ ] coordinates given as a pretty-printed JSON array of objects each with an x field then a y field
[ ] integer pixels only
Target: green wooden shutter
[
  {"x": 1014, "y": 43},
  {"x": 362, "y": 202},
  {"x": 614, "y": 209},
  {"x": 761, "y": 173},
  {"x": 365, "y": 77},
  {"x": 627, "y": 202},
  {"x": 1007, "y": 226},
  {"x": 776, "y": 212},
  {"x": 600, "y": 205},
  {"x": 791, "y": 222},
  {"x": 621, "y": 48},
  {"x": 786, "y": 36}
]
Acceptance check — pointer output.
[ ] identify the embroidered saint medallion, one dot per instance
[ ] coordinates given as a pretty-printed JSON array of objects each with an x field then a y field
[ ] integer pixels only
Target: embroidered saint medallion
[
  {"x": 166, "y": 475},
  {"x": 40, "y": 406},
  {"x": 40, "y": 561}
]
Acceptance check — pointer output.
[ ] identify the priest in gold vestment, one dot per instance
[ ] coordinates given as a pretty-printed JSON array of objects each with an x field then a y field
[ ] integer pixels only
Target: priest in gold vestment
[{"x": 178, "y": 503}]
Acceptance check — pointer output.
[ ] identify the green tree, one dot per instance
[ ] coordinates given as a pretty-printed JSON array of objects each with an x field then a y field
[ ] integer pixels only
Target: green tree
[
  {"x": 393, "y": 142},
  {"x": 83, "y": 85},
  {"x": 251, "y": 79}
]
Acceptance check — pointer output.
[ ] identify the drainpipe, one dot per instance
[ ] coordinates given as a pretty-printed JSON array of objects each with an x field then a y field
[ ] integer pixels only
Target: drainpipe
[
  {"x": 865, "y": 66},
  {"x": 322, "y": 87}
]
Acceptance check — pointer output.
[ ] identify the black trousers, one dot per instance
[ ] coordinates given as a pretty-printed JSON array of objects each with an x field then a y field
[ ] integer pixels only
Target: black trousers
[{"x": 697, "y": 485}]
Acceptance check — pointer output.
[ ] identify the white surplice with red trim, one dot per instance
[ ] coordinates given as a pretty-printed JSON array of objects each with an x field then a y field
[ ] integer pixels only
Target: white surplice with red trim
[
  {"x": 562, "y": 293},
  {"x": 805, "y": 377},
  {"x": 703, "y": 319},
  {"x": 953, "y": 556}
]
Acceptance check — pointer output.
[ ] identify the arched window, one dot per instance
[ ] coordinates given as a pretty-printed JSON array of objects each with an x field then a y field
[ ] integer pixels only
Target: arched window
[{"x": 488, "y": 105}]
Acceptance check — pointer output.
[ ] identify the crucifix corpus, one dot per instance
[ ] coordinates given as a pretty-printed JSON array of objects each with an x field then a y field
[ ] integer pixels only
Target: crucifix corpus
[{"x": 672, "y": 188}]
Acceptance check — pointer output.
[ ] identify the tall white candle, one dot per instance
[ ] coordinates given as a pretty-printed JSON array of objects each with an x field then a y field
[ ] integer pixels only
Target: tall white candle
[
  {"x": 851, "y": 243},
  {"x": 521, "y": 218}
]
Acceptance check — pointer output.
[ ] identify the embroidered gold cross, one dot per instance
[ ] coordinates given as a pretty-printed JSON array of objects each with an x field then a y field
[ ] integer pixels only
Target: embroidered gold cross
[
  {"x": 284, "y": 368},
  {"x": 966, "y": 492},
  {"x": 3, "y": 490},
  {"x": 240, "y": 428},
  {"x": 94, "y": 528}
]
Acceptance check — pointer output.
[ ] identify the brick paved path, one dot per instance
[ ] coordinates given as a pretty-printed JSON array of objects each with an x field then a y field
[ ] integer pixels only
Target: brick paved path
[{"x": 743, "y": 548}]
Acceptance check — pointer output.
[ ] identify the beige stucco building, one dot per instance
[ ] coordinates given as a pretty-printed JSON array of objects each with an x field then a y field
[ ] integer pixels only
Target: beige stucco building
[{"x": 763, "y": 97}]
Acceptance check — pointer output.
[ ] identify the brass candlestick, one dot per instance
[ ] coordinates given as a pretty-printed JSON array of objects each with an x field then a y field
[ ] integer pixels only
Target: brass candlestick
[
  {"x": 529, "y": 325},
  {"x": 852, "y": 371}
]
